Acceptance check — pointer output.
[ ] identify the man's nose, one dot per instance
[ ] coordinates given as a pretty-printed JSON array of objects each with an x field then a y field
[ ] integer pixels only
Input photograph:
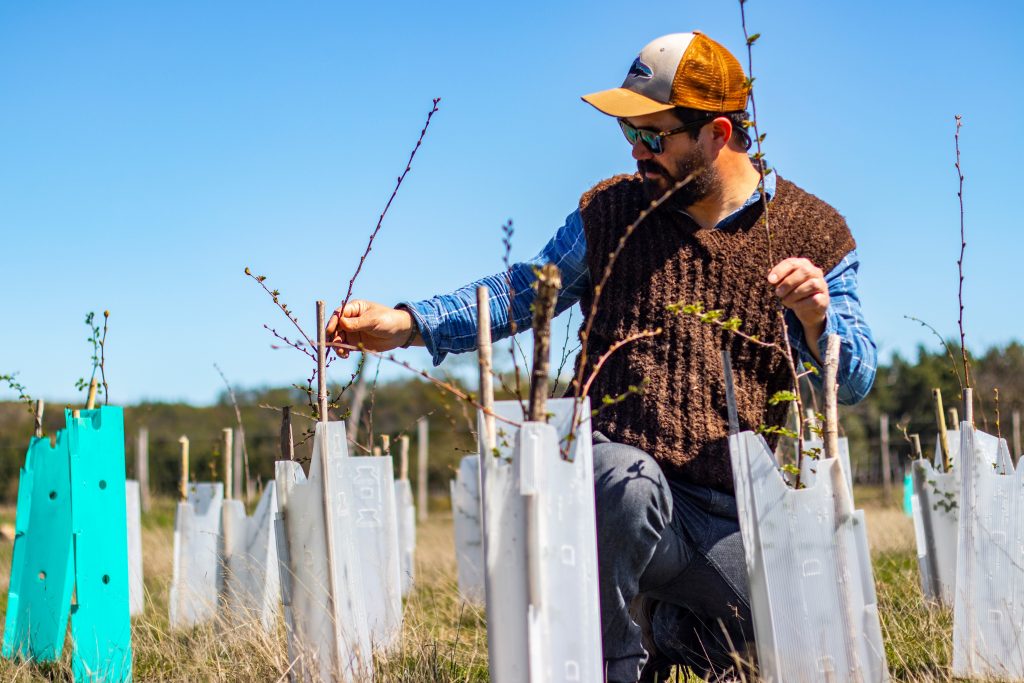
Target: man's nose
[{"x": 640, "y": 151}]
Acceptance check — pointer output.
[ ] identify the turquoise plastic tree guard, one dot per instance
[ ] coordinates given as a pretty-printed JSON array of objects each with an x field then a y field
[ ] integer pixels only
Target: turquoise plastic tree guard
[
  {"x": 100, "y": 622},
  {"x": 42, "y": 573},
  {"x": 71, "y": 499}
]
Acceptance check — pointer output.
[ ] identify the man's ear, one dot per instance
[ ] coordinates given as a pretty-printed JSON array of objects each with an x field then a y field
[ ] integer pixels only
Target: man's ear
[{"x": 721, "y": 131}]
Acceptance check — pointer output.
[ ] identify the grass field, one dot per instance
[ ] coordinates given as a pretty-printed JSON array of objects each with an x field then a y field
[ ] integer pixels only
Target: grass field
[{"x": 445, "y": 640}]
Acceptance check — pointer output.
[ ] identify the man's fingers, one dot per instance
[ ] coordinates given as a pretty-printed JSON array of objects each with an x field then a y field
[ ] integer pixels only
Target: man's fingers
[
  {"x": 781, "y": 270},
  {"x": 808, "y": 289},
  {"x": 332, "y": 326}
]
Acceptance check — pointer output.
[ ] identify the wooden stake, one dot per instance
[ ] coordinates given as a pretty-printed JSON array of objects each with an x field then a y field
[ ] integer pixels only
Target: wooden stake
[
  {"x": 483, "y": 343},
  {"x": 39, "y": 418},
  {"x": 422, "y": 434},
  {"x": 549, "y": 281},
  {"x": 385, "y": 444},
  {"x": 883, "y": 429},
  {"x": 376, "y": 452},
  {"x": 287, "y": 440},
  {"x": 403, "y": 457},
  {"x": 91, "y": 401},
  {"x": 940, "y": 421},
  {"x": 954, "y": 419},
  {"x": 969, "y": 406},
  {"x": 321, "y": 363},
  {"x": 142, "y": 466},
  {"x": 183, "y": 482},
  {"x": 227, "y": 456}
]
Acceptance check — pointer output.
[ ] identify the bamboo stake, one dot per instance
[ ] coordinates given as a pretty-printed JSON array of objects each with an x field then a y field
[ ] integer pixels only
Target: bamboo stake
[
  {"x": 730, "y": 393},
  {"x": 227, "y": 455},
  {"x": 333, "y": 590},
  {"x": 239, "y": 486},
  {"x": 142, "y": 466},
  {"x": 831, "y": 440},
  {"x": 385, "y": 444},
  {"x": 883, "y": 429},
  {"x": 940, "y": 420},
  {"x": 549, "y": 281},
  {"x": 1015, "y": 419},
  {"x": 403, "y": 457},
  {"x": 376, "y": 452},
  {"x": 915, "y": 445},
  {"x": 483, "y": 342},
  {"x": 183, "y": 481},
  {"x": 969, "y": 406},
  {"x": 287, "y": 440},
  {"x": 422, "y": 434},
  {"x": 39, "y": 418},
  {"x": 843, "y": 499},
  {"x": 954, "y": 419},
  {"x": 321, "y": 363},
  {"x": 91, "y": 401}
]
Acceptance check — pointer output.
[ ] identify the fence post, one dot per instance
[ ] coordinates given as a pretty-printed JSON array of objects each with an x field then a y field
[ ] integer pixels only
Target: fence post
[
  {"x": 422, "y": 429},
  {"x": 142, "y": 466}
]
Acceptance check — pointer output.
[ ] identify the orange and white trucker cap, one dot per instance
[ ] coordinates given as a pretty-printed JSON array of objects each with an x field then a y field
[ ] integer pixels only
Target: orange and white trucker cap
[{"x": 677, "y": 70}]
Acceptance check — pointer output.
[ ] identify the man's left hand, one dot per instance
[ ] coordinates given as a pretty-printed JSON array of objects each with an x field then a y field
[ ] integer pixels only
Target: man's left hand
[{"x": 801, "y": 287}]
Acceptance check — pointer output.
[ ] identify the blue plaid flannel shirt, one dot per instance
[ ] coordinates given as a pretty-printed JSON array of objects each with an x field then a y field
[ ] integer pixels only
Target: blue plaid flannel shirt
[{"x": 447, "y": 322}]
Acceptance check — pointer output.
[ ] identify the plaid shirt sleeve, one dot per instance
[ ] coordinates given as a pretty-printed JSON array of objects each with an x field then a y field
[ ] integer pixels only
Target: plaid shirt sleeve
[
  {"x": 448, "y": 322},
  {"x": 858, "y": 356}
]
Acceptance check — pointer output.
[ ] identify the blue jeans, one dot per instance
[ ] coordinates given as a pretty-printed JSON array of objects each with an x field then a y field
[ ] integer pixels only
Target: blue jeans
[{"x": 679, "y": 545}]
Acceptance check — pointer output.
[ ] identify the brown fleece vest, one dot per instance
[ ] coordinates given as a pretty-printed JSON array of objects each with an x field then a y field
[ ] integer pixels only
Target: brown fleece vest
[{"x": 680, "y": 414}]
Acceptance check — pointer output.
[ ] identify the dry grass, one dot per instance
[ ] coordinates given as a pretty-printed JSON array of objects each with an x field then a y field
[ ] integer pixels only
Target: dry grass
[{"x": 444, "y": 640}]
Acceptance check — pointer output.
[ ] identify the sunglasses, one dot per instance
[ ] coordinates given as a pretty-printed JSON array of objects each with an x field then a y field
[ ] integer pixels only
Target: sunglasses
[{"x": 653, "y": 139}]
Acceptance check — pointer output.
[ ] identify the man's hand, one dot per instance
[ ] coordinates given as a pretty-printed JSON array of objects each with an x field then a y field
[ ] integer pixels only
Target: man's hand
[
  {"x": 373, "y": 326},
  {"x": 802, "y": 288}
]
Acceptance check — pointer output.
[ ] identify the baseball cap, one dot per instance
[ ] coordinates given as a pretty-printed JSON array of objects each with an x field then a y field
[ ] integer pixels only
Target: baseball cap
[{"x": 677, "y": 70}]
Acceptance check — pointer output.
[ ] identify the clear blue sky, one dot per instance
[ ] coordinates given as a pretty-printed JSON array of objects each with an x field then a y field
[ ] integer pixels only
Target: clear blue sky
[{"x": 150, "y": 151}]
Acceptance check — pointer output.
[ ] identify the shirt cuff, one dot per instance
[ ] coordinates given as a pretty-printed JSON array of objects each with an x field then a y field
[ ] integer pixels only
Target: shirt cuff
[{"x": 421, "y": 317}]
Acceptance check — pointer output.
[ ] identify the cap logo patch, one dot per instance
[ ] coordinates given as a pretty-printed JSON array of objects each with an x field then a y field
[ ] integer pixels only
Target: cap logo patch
[{"x": 640, "y": 70}]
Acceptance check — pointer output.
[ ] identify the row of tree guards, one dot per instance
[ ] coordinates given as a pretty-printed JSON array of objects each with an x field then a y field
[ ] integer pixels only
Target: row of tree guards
[
  {"x": 946, "y": 419},
  {"x": 235, "y": 477}
]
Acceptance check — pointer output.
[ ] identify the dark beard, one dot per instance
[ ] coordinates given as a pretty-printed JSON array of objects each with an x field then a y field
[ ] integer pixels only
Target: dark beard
[{"x": 704, "y": 182}]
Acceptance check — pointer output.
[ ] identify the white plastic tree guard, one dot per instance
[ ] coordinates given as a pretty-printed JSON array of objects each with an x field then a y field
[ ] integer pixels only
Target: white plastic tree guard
[
  {"x": 376, "y": 536},
  {"x": 321, "y": 579},
  {"x": 543, "y": 612},
  {"x": 935, "y": 508},
  {"x": 812, "y": 589},
  {"x": 809, "y": 465},
  {"x": 198, "y": 578},
  {"x": 988, "y": 611},
  {"x": 469, "y": 542},
  {"x": 406, "y": 533},
  {"x": 133, "y": 508},
  {"x": 252, "y": 582}
]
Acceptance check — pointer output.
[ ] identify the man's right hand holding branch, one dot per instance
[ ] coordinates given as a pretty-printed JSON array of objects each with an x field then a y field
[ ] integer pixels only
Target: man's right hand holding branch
[{"x": 372, "y": 326}]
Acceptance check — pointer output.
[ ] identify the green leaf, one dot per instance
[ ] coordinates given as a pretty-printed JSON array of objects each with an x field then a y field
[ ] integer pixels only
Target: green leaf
[{"x": 784, "y": 396}]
